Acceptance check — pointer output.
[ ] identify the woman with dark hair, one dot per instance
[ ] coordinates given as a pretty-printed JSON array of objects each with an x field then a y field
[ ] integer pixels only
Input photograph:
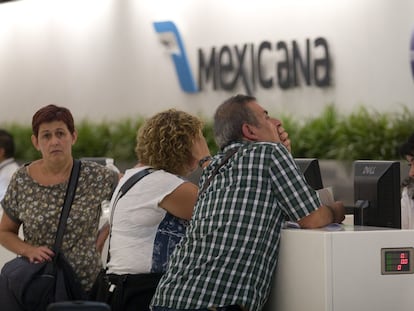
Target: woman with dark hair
[
  {"x": 35, "y": 197},
  {"x": 407, "y": 195}
]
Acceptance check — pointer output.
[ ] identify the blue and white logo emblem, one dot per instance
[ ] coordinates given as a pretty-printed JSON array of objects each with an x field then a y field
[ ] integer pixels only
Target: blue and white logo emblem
[{"x": 171, "y": 39}]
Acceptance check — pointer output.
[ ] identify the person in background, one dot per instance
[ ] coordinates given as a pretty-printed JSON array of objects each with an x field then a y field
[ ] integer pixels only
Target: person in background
[
  {"x": 7, "y": 163},
  {"x": 407, "y": 195},
  {"x": 228, "y": 256},
  {"x": 35, "y": 197},
  {"x": 150, "y": 219}
]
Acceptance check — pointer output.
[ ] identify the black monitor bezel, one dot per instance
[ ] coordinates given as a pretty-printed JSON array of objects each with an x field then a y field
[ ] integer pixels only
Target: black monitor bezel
[
  {"x": 385, "y": 209},
  {"x": 311, "y": 170}
]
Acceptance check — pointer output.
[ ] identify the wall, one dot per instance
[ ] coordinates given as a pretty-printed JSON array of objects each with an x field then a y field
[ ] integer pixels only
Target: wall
[{"x": 104, "y": 60}]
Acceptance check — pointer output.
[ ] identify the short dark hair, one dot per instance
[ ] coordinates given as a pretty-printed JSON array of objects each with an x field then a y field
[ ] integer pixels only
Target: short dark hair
[
  {"x": 407, "y": 148},
  {"x": 7, "y": 143},
  {"x": 230, "y": 117},
  {"x": 52, "y": 113}
]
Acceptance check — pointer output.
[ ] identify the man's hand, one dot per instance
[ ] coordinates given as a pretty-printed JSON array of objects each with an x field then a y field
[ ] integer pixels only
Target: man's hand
[{"x": 284, "y": 137}]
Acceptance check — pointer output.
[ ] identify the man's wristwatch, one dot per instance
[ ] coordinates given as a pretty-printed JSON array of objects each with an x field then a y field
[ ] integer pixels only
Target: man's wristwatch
[{"x": 204, "y": 160}]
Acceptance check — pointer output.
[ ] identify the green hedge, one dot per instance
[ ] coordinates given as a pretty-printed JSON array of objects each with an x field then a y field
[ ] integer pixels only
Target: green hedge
[{"x": 363, "y": 134}]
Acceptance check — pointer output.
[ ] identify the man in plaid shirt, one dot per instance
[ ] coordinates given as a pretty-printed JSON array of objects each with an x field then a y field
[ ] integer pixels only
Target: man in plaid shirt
[{"x": 229, "y": 254}]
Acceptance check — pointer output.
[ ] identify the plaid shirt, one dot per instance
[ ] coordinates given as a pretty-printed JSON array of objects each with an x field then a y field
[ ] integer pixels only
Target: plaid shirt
[{"x": 229, "y": 253}]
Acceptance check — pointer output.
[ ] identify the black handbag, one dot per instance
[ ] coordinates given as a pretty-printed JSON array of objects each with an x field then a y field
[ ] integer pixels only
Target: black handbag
[
  {"x": 36, "y": 285},
  {"x": 79, "y": 306},
  {"x": 127, "y": 291}
]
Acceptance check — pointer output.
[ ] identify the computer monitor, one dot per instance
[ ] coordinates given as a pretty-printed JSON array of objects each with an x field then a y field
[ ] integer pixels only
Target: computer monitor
[
  {"x": 377, "y": 193},
  {"x": 310, "y": 169}
]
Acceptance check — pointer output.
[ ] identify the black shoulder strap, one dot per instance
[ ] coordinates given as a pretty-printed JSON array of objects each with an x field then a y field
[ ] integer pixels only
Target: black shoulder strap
[
  {"x": 70, "y": 194},
  {"x": 130, "y": 182},
  {"x": 227, "y": 156},
  {"x": 124, "y": 189}
]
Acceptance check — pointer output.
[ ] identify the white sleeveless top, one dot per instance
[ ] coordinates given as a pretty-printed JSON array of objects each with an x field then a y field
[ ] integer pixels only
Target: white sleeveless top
[{"x": 144, "y": 234}]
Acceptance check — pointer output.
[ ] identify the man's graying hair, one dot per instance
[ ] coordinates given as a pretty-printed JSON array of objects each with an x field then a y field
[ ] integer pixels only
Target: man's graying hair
[{"x": 230, "y": 117}]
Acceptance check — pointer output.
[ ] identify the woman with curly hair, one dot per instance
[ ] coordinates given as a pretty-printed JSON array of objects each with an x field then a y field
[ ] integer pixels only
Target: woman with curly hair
[{"x": 150, "y": 219}]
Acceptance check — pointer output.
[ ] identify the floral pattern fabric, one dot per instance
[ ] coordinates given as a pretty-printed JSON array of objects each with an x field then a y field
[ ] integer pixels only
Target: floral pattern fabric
[{"x": 38, "y": 208}]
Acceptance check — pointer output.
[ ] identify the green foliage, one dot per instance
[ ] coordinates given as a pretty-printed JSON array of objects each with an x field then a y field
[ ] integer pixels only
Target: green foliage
[
  {"x": 366, "y": 136},
  {"x": 316, "y": 137},
  {"x": 208, "y": 133},
  {"x": 115, "y": 140},
  {"x": 362, "y": 134},
  {"x": 23, "y": 143},
  {"x": 92, "y": 138}
]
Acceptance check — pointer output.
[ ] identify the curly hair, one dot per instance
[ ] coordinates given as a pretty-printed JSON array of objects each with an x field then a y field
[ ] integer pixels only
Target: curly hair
[{"x": 165, "y": 140}]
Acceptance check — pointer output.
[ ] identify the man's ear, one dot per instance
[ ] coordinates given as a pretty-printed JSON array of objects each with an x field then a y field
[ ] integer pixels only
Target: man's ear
[{"x": 249, "y": 132}]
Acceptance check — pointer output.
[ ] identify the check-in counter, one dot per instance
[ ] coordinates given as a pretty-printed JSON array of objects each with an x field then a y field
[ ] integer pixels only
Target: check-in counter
[{"x": 344, "y": 268}]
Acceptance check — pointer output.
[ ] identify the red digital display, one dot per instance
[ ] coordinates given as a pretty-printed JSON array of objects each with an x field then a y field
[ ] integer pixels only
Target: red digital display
[{"x": 396, "y": 260}]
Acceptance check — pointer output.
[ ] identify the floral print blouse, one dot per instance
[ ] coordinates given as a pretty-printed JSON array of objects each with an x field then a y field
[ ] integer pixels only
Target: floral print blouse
[{"x": 38, "y": 207}]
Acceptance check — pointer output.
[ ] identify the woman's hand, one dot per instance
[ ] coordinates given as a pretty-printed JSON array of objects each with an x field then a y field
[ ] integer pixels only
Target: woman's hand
[
  {"x": 9, "y": 238},
  {"x": 38, "y": 254}
]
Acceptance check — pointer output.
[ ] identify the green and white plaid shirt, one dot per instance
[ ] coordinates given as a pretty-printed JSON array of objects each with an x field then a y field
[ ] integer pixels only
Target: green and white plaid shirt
[{"x": 230, "y": 250}]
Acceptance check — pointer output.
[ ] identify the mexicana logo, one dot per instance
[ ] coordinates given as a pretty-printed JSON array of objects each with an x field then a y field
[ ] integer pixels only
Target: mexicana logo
[
  {"x": 267, "y": 64},
  {"x": 171, "y": 38}
]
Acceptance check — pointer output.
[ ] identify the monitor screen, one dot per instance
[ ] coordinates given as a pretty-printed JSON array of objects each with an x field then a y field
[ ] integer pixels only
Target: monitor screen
[
  {"x": 377, "y": 193},
  {"x": 310, "y": 169}
]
